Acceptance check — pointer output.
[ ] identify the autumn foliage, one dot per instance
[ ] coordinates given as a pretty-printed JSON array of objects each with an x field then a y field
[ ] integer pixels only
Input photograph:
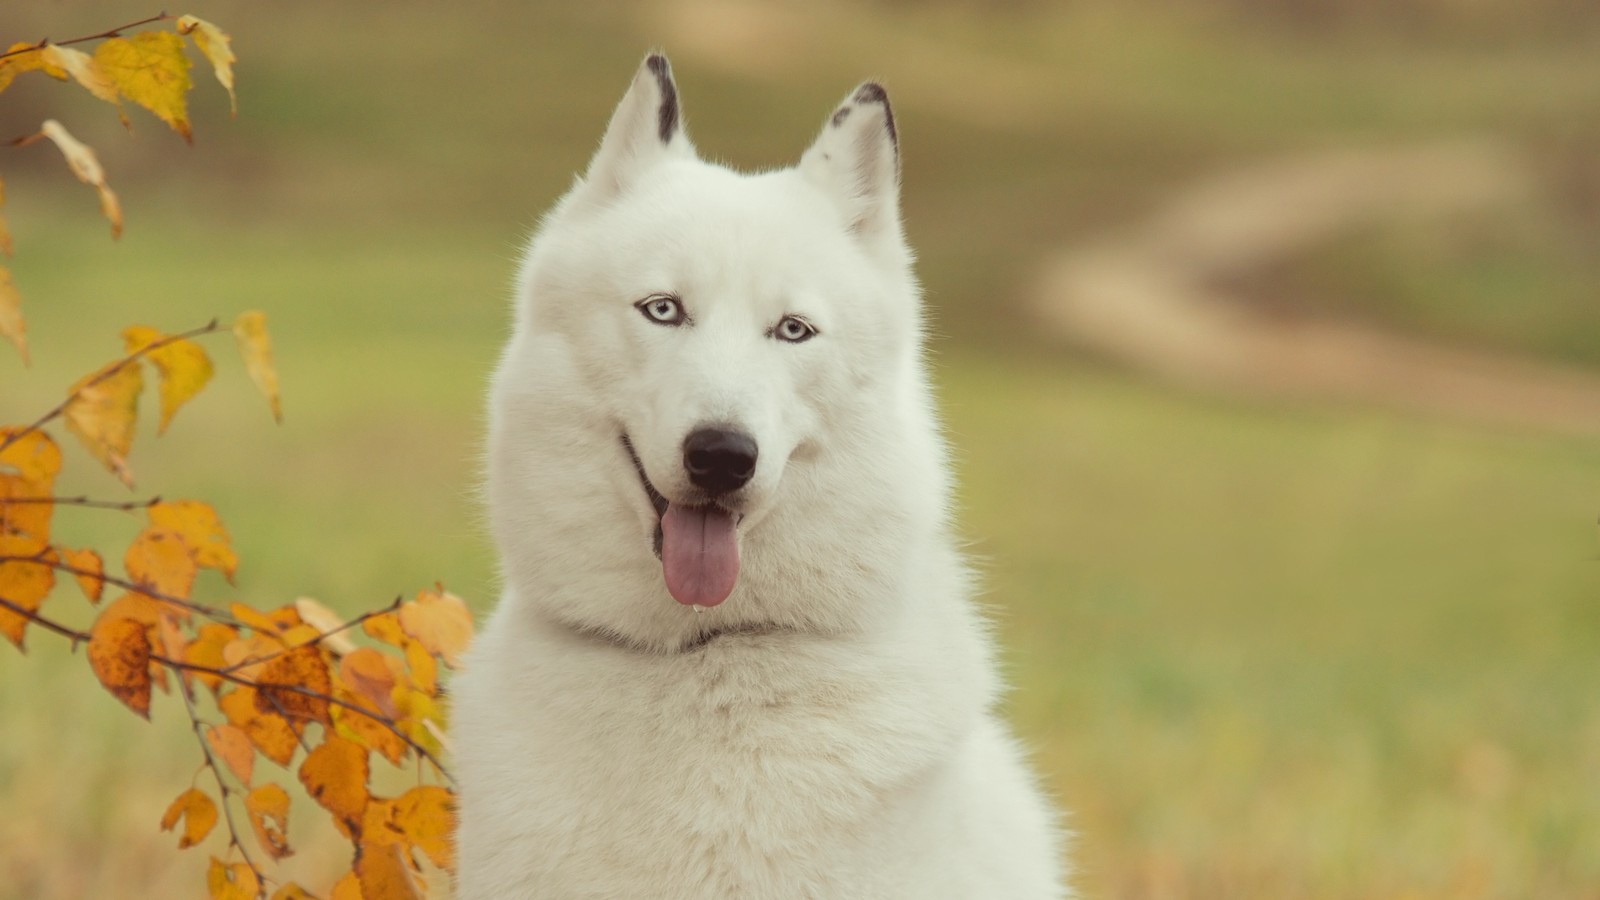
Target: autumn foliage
[{"x": 266, "y": 693}]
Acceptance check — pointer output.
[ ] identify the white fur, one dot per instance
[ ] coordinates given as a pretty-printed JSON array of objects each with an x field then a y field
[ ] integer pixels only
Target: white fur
[{"x": 837, "y": 739}]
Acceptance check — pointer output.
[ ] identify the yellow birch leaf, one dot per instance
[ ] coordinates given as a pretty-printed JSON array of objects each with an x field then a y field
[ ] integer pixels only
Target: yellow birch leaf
[
  {"x": 269, "y": 624},
  {"x": 371, "y": 674},
  {"x": 23, "y": 582},
  {"x": 150, "y": 69},
  {"x": 232, "y": 744},
  {"x": 206, "y": 650},
  {"x": 90, "y": 570},
  {"x": 383, "y": 876},
  {"x": 198, "y": 813},
  {"x": 202, "y": 532},
  {"x": 25, "y": 57},
  {"x": 12, "y": 326},
  {"x": 335, "y": 775},
  {"x": 84, "y": 69},
  {"x": 292, "y": 891},
  {"x": 426, "y": 815},
  {"x": 255, "y": 345},
  {"x": 102, "y": 411},
  {"x": 183, "y": 366},
  {"x": 325, "y": 621},
  {"x": 287, "y": 683},
  {"x": 440, "y": 622},
  {"x": 25, "y": 513},
  {"x": 364, "y": 724},
  {"x": 346, "y": 888},
  {"x": 232, "y": 882},
  {"x": 34, "y": 456},
  {"x": 217, "y": 47},
  {"x": 268, "y": 807},
  {"x": 86, "y": 166},
  {"x": 159, "y": 561},
  {"x": 119, "y": 655}
]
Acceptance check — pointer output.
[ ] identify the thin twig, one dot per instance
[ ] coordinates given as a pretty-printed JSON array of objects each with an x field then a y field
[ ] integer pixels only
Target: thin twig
[
  {"x": 222, "y": 785},
  {"x": 125, "y": 506},
  {"x": 310, "y": 642},
  {"x": 115, "y": 32},
  {"x": 102, "y": 375},
  {"x": 77, "y": 637},
  {"x": 307, "y": 692},
  {"x": 210, "y": 612}
]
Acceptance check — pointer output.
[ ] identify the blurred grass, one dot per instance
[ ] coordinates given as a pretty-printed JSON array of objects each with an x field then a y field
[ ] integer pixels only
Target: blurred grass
[{"x": 1261, "y": 652}]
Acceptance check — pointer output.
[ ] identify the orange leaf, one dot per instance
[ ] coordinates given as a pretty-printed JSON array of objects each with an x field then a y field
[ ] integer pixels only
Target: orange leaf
[
  {"x": 382, "y": 875},
  {"x": 199, "y": 816},
  {"x": 202, "y": 532},
  {"x": 183, "y": 366},
  {"x": 150, "y": 69},
  {"x": 417, "y": 709},
  {"x": 136, "y": 608},
  {"x": 268, "y": 807},
  {"x": 12, "y": 326},
  {"x": 215, "y": 44},
  {"x": 370, "y": 674},
  {"x": 159, "y": 561},
  {"x": 440, "y": 622},
  {"x": 33, "y": 460},
  {"x": 335, "y": 775},
  {"x": 86, "y": 166},
  {"x": 424, "y": 672},
  {"x": 426, "y": 815},
  {"x": 232, "y": 882},
  {"x": 292, "y": 891},
  {"x": 283, "y": 681},
  {"x": 271, "y": 624},
  {"x": 23, "y": 582},
  {"x": 119, "y": 654},
  {"x": 346, "y": 888},
  {"x": 255, "y": 345},
  {"x": 102, "y": 410},
  {"x": 232, "y": 743},
  {"x": 242, "y": 649},
  {"x": 327, "y": 623},
  {"x": 90, "y": 571},
  {"x": 361, "y": 725},
  {"x": 206, "y": 650},
  {"x": 270, "y": 732}
]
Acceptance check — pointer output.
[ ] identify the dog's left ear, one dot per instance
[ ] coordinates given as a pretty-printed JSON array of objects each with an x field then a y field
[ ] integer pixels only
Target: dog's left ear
[
  {"x": 856, "y": 160},
  {"x": 646, "y": 129}
]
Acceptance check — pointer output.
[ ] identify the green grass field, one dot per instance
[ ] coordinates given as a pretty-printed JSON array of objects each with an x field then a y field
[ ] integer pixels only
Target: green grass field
[{"x": 1260, "y": 651}]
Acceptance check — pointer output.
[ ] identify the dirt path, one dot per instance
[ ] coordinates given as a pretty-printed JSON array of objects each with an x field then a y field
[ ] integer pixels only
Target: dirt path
[{"x": 1148, "y": 296}]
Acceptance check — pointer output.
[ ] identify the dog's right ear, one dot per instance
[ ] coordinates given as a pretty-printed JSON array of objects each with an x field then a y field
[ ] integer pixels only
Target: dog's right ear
[{"x": 646, "y": 129}]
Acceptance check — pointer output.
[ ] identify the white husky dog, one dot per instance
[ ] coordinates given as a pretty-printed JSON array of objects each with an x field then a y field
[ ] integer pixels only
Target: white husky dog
[{"x": 735, "y": 656}]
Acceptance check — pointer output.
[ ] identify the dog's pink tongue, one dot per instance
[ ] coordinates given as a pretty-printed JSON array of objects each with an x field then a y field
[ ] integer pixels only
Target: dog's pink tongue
[{"x": 699, "y": 554}]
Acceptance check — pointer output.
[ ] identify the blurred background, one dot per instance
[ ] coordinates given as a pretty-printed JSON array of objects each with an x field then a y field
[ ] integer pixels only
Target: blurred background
[{"x": 1267, "y": 333}]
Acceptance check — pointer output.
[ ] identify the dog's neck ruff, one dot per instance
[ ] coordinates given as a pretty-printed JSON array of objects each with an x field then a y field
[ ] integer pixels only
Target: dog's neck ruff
[{"x": 696, "y": 643}]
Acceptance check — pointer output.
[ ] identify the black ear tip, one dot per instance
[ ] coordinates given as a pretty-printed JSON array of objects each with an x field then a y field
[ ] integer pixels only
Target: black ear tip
[
  {"x": 657, "y": 63},
  {"x": 872, "y": 92},
  {"x": 668, "y": 113}
]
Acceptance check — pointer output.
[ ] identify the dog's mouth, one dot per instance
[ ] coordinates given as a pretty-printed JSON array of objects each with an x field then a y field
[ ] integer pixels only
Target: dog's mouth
[{"x": 698, "y": 544}]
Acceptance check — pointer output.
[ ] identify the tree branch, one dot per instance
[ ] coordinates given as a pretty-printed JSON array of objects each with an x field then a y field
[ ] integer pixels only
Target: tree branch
[
  {"x": 222, "y": 786},
  {"x": 310, "y": 642},
  {"x": 115, "y": 32},
  {"x": 77, "y": 637},
  {"x": 126, "y": 506},
  {"x": 41, "y": 559}
]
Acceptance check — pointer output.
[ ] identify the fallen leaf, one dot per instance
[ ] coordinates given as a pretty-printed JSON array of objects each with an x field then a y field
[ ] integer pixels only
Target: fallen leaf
[
  {"x": 268, "y": 806},
  {"x": 270, "y": 732},
  {"x": 12, "y": 326},
  {"x": 159, "y": 561},
  {"x": 102, "y": 410},
  {"x": 232, "y": 743},
  {"x": 184, "y": 367},
  {"x": 255, "y": 345},
  {"x": 285, "y": 685},
  {"x": 23, "y": 582},
  {"x": 232, "y": 882},
  {"x": 216, "y": 45},
  {"x": 335, "y": 775},
  {"x": 119, "y": 655},
  {"x": 83, "y": 163},
  {"x": 199, "y": 815},
  {"x": 90, "y": 573},
  {"x": 202, "y": 532},
  {"x": 440, "y": 622},
  {"x": 150, "y": 69}
]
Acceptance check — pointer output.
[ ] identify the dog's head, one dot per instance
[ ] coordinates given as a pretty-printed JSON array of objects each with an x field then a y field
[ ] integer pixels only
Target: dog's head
[{"x": 697, "y": 351}]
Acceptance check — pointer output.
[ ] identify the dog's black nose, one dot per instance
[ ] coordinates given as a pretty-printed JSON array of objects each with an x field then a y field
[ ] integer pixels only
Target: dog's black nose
[{"x": 719, "y": 460}]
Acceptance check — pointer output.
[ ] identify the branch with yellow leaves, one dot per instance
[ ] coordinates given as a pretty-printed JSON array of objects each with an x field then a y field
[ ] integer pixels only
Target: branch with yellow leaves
[{"x": 114, "y": 32}]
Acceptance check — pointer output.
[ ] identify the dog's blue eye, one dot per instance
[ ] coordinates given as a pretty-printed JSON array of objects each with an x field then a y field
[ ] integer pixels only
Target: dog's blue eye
[
  {"x": 794, "y": 330},
  {"x": 662, "y": 309}
]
